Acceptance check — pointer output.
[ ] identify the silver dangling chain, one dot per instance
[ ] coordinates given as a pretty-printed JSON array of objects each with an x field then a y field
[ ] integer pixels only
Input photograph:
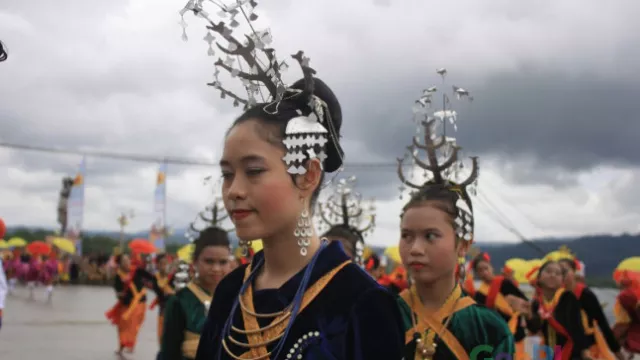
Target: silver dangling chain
[{"x": 303, "y": 231}]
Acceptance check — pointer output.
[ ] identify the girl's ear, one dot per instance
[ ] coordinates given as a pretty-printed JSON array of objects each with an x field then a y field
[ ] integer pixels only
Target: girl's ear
[{"x": 308, "y": 182}]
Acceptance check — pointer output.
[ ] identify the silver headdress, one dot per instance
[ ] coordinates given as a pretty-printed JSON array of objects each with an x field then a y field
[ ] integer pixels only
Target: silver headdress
[
  {"x": 212, "y": 216},
  {"x": 346, "y": 208},
  {"x": 443, "y": 166},
  {"x": 307, "y": 133}
]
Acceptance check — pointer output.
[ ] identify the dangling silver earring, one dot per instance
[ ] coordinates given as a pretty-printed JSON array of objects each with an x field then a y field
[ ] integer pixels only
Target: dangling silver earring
[{"x": 303, "y": 231}]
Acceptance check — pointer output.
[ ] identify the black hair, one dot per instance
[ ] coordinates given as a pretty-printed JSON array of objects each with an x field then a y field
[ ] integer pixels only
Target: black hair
[
  {"x": 287, "y": 109},
  {"x": 477, "y": 260},
  {"x": 572, "y": 264},
  {"x": 160, "y": 257},
  {"x": 443, "y": 196},
  {"x": 344, "y": 232},
  {"x": 211, "y": 236}
]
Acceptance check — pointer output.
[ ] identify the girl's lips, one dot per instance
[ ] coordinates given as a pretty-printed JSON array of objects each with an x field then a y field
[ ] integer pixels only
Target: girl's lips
[
  {"x": 416, "y": 266},
  {"x": 240, "y": 214}
]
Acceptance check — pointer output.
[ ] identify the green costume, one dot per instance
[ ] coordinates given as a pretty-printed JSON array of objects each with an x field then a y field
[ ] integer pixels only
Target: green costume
[
  {"x": 480, "y": 332},
  {"x": 184, "y": 318}
]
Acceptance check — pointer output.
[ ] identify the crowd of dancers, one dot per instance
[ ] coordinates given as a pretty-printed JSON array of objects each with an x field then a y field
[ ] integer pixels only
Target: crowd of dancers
[{"x": 310, "y": 296}]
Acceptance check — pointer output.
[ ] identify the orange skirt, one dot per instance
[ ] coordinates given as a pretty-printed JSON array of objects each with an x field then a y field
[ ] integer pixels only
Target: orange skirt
[{"x": 128, "y": 329}]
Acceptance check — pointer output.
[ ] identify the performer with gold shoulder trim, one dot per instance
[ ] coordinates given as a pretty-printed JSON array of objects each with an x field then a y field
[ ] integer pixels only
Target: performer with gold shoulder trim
[
  {"x": 161, "y": 285},
  {"x": 604, "y": 344},
  {"x": 129, "y": 312},
  {"x": 300, "y": 297},
  {"x": 556, "y": 312},
  {"x": 441, "y": 321},
  {"x": 186, "y": 311},
  {"x": 498, "y": 292}
]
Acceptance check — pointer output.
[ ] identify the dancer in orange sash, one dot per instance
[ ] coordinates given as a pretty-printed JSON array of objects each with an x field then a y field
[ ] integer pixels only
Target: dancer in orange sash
[
  {"x": 128, "y": 313},
  {"x": 604, "y": 344},
  {"x": 497, "y": 292},
  {"x": 627, "y": 310},
  {"x": 161, "y": 284},
  {"x": 556, "y": 312}
]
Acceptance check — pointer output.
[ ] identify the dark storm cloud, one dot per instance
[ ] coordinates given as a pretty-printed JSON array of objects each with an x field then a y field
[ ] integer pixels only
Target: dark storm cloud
[{"x": 559, "y": 124}]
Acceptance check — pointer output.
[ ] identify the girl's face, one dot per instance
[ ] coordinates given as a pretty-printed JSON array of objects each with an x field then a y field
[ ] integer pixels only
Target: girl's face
[
  {"x": 163, "y": 265},
  {"x": 213, "y": 264},
  {"x": 125, "y": 262},
  {"x": 257, "y": 190},
  {"x": 484, "y": 271},
  {"x": 428, "y": 244},
  {"x": 552, "y": 276}
]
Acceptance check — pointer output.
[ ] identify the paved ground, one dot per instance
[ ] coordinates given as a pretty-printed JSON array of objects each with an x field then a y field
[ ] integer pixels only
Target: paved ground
[{"x": 72, "y": 327}]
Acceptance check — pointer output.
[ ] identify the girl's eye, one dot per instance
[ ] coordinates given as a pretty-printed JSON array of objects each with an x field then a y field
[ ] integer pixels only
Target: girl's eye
[
  {"x": 227, "y": 175},
  {"x": 431, "y": 236},
  {"x": 254, "y": 172}
]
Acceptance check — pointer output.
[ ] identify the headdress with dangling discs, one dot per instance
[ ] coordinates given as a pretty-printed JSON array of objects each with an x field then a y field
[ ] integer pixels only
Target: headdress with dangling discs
[
  {"x": 443, "y": 165},
  {"x": 306, "y": 134},
  {"x": 345, "y": 208}
]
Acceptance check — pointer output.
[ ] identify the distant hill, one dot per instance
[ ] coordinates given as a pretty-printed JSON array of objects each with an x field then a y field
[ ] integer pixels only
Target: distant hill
[{"x": 601, "y": 253}]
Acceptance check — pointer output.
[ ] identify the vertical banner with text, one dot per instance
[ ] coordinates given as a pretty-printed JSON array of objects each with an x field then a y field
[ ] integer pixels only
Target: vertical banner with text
[{"x": 158, "y": 228}]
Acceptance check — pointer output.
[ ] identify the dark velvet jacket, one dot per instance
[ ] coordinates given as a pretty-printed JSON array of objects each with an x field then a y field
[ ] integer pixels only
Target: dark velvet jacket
[{"x": 355, "y": 317}]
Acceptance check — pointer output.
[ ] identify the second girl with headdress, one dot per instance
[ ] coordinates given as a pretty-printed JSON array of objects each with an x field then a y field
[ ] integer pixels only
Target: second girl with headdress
[
  {"x": 301, "y": 296},
  {"x": 186, "y": 311},
  {"x": 441, "y": 321}
]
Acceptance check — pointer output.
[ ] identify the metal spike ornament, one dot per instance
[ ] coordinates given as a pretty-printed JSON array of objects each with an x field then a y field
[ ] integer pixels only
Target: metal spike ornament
[
  {"x": 345, "y": 207},
  {"x": 260, "y": 73},
  {"x": 443, "y": 162},
  {"x": 212, "y": 216}
]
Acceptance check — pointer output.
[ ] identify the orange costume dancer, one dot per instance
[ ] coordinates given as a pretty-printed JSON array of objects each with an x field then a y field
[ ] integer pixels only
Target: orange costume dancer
[
  {"x": 627, "y": 310},
  {"x": 129, "y": 312},
  {"x": 495, "y": 292},
  {"x": 604, "y": 344}
]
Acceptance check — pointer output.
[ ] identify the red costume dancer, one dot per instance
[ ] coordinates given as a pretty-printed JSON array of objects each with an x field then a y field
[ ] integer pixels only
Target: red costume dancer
[
  {"x": 33, "y": 273},
  {"x": 627, "y": 310},
  {"x": 129, "y": 312},
  {"x": 48, "y": 274}
]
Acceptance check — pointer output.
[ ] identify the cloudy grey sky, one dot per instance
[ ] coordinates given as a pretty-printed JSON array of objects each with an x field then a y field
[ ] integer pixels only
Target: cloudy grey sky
[{"x": 554, "y": 118}]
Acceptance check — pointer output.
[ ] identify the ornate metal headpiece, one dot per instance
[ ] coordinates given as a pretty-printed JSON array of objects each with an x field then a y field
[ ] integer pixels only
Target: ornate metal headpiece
[
  {"x": 261, "y": 76},
  {"x": 212, "y": 216},
  {"x": 443, "y": 165},
  {"x": 345, "y": 207},
  {"x": 3, "y": 52}
]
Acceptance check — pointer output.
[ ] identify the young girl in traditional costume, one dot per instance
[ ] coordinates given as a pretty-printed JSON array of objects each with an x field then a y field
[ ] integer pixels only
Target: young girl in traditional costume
[
  {"x": 627, "y": 310},
  {"x": 161, "y": 284},
  {"x": 129, "y": 312},
  {"x": 556, "y": 312},
  {"x": 441, "y": 321},
  {"x": 301, "y": 296},
  {"x": 497, "y": 293},
  {"x": 604, "y": 344},
  {"x": 186, "y": 312}
]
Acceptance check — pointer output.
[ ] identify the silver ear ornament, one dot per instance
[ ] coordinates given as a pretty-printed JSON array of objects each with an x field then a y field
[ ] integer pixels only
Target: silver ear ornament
[{"x": 443, "y": 165}]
